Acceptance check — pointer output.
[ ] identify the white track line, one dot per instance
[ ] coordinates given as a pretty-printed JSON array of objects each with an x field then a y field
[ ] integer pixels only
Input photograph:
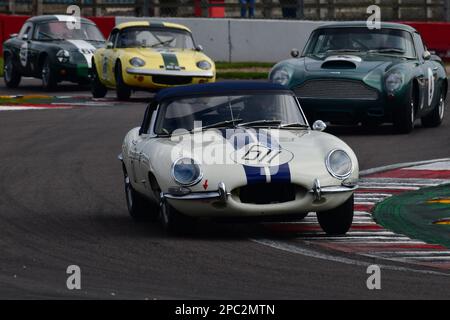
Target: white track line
[{"x": 319, "y": 255}]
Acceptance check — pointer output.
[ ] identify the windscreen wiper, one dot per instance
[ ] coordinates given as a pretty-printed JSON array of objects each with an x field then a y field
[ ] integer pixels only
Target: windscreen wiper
[
  {"x": 343, "y": 50},
  {"x": 220, "y": 124},
  {"x": 260, "y": 123},
  {"x": 392, "y": 50},
  {"x": 294, "y": 125}
]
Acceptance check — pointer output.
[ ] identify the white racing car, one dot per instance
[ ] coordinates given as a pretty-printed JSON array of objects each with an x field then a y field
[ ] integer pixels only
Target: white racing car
[{"x": 236, "y": 149}]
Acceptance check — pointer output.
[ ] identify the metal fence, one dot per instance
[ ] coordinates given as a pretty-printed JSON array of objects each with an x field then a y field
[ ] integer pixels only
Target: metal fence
[{"x": 413, "y": 10}]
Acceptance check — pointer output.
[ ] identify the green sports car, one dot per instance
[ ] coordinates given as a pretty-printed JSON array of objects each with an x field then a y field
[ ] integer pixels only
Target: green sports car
[
  {"x": 52, "y": 48},
  {"x": 350, "y": 74}
]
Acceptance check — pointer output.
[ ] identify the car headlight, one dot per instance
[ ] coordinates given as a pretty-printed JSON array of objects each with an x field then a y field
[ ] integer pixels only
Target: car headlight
[
  {"x": 186, "y": 172},
  {"x": 63, "y": 56},
  {"x": 394, "y": 81},
  {"x": 339, "y": 164},
  {"x": 281, "y": 76},
  {"x": 204, "y": 65},
  {"x": 137, "y": 62}
]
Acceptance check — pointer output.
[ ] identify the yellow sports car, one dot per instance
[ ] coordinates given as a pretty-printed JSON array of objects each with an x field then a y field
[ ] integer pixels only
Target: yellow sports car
[{"x": 149, "y": 56}]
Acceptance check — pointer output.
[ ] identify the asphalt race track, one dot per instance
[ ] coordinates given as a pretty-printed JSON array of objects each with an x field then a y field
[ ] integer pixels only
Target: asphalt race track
[{"x": 62, "y": 203}]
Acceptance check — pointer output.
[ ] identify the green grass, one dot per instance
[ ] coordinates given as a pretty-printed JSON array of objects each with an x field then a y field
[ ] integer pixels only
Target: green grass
[
  {"x": 243, "y": 70},
  {"x": 221, "y": 65},
  {"x": 242, "y": 75}
]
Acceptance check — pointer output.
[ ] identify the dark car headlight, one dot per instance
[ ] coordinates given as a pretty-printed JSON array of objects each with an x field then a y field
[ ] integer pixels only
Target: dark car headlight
[
  {"x": 339, "y": 164},
  {"x": 137, "y": 62},
  {"x": 186, "y": 172},
  {"x": 63, "y": 56},
  {"x": 204, "y": 65},
  {"x": 394, "y": 81}
]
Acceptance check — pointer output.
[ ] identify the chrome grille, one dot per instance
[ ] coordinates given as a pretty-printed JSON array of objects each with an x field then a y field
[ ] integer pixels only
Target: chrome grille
[{"x": 335, "y": 89}]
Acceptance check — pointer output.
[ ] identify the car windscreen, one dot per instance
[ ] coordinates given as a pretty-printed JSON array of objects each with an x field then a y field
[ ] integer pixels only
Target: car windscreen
[
  {"x": 59, "y": 30},
  {"x": 146, "y": 37},
  {"x": 389, "y": 41},
  {"x": 207, "y": 111}
]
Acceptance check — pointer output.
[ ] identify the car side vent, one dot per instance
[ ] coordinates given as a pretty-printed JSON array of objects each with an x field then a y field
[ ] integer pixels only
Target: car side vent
[{"x": 338, "y": 64}]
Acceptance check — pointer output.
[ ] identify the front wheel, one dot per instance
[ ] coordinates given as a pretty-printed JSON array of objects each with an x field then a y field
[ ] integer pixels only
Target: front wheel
[
  {"x": 404, "y": 116},
  {"x": 97, "y": 88},
  {"x": 48, "y": 76},
  {"x": 338, "y": 220},
  {"x": 173, "y": 221},
  {"x": 435, "y": 117},
  {"x": 138, "y": 207},
  {"x": 122, "y": 90},
  {"x": 11, "y": 75}
]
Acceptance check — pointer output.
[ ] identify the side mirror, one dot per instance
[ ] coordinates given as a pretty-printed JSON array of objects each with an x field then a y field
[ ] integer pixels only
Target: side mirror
[
  {"x": 13, "y": 35},
  {"x": 319, "y": 125},
  {"x": 25, "y": 37},
  {"x": 295, "y": 53},
  {"x": 426, "y": 55},
  {"x": 199, "y": 48},
  {"x": 109, "y": 45}
]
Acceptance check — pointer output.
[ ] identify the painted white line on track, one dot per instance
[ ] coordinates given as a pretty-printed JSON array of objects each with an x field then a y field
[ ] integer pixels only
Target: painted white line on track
[
  {"x": 319, "y": 255},
  {"x": 388, "y": 187},
  {"x": 436, "y": 166},
  {"x": 403, "y": 165},
  {"x": 21, "y": 108},
  {"x": 411, "y": 253}
]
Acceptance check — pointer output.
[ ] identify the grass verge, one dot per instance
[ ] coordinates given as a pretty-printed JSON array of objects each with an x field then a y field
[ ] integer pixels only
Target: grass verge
[
  {"x": 221, "y": 65},
  {"x": 243, "y": 70},
  {"x": 225, "y": 70},
  {"x": 242, "y": 75}
]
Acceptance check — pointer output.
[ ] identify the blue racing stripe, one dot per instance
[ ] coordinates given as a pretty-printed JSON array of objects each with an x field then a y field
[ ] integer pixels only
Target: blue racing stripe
[
  {"x": 280, "y": 174},
  {"x": 254, "y": 175}
]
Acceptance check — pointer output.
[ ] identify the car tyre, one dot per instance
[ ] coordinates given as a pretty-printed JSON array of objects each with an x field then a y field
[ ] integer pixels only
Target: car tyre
[
  {"x": 11, "y": 75},
  {"x": 435, "y": 117},
  {"x": 122, "y": 90},
  {"x": 173, "y": 221},
  {"x": 339, "y": 220},
  {"x": 97, "y": 88},
  {"x": 48, "y": 76},
  {"x": 404, "y": 116},
  {"x": 139, "y": 208}
]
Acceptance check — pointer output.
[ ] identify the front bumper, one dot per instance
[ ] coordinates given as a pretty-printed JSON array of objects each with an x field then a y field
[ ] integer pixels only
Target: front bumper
[
  {"x": 181, "y": 73},
  {"x": 222, "y": 203},
  {"x": 153, "y": 79},
  {"x": 72, "y": 72}
]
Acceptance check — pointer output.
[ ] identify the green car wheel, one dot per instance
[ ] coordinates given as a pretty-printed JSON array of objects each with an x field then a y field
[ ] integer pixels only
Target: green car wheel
[{"x": 435, "y": 117}]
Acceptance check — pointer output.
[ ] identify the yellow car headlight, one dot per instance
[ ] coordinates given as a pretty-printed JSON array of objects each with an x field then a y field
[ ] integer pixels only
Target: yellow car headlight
[
  {"x": 137, "y": 62},
  {"x": 204, "y": 65}
]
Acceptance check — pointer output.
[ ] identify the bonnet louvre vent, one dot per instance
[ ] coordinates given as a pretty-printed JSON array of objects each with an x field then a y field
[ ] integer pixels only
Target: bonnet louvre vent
[{"x": 338, "y": 64}]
